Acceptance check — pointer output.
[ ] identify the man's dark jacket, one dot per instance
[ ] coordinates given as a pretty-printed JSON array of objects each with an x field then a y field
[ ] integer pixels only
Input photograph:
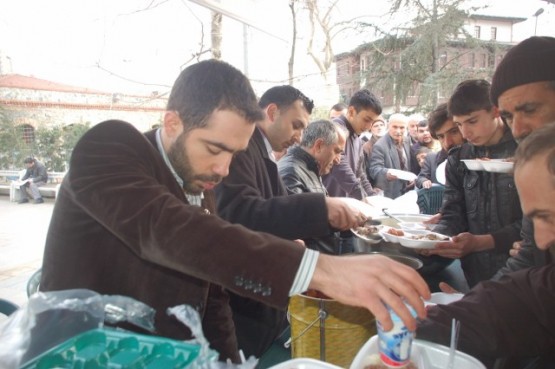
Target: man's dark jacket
[
  {"x": 300, "y": 173},
  {"x": 122, "y": 226},
  {"x": 253, "y": 195}
]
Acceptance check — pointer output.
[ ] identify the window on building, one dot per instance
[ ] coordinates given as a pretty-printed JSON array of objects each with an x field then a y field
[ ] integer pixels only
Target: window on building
[
  {"x": 477, "y": 31},
  {"x": 493, "y": 33},
  {"x": 28, "y": 133}
]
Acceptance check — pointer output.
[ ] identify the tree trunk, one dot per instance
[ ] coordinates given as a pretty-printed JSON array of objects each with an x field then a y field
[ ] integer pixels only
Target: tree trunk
[{"x": 216, "y": 35}]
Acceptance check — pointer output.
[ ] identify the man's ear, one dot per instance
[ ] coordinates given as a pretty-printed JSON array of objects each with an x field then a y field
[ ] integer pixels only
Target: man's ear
[
  {"x": 173, "y": 126},
  {"x": 272, "y": 111},
  {"x": 351, "y": 112},
  {"x": 318, "y": 144}
]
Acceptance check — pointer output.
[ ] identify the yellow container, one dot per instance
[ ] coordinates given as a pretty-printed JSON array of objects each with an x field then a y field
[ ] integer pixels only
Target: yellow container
[{"x": 327, "y": 330}]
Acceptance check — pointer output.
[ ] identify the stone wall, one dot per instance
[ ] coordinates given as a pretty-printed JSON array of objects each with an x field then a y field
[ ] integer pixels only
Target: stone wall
[{"x": 40, "y": 107}]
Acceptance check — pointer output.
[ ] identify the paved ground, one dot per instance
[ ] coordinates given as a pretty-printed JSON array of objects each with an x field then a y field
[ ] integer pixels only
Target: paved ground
[{"x": 22, "y": 235}]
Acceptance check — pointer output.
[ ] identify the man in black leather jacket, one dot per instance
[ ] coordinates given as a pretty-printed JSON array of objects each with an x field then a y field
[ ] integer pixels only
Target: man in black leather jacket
[{"x": 301, "y": 169}]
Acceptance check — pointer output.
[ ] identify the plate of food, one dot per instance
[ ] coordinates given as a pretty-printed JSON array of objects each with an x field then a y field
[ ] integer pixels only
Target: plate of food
[
  {"x": 497, "y": 165},
  {"x": 421, "y": 239},
  {"x": 369, "y": 232},
  {"x": 391, "y": 234}
]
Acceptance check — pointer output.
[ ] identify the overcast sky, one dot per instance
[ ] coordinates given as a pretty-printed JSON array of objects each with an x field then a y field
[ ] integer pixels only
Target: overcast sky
[{"x": 86, "y": 43}]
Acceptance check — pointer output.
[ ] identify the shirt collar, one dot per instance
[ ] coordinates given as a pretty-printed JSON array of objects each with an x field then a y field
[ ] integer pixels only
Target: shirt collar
[
  {"x": 268, "y": 146},
  {"x": 193, "y": 199}
]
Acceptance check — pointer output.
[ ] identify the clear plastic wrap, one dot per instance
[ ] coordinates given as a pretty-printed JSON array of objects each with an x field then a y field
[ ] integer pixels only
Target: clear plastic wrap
[{"x": 50, "y": 319}]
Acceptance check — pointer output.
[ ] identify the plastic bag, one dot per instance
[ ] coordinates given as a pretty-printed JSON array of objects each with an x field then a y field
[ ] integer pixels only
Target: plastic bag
[
  {"x": 191, "y": 318},
  {"x": 50, "y": 318}
]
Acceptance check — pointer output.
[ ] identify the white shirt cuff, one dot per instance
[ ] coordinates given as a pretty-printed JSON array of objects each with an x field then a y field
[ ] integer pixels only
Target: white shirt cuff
[{"x": 305, "y": 272}]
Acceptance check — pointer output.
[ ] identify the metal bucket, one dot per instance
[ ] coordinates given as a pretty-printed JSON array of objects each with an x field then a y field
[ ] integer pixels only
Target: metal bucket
[{"x": 327, "y": 330}]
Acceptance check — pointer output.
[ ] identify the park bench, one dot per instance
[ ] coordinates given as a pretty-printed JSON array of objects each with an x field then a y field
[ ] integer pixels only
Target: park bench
[{"x": 49, "y": 189}]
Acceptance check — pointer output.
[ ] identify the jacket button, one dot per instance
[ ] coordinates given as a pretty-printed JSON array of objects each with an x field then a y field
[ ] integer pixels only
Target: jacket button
[
  {"x": 239, "y": 281},
  {"x": 257, "y": 288}
]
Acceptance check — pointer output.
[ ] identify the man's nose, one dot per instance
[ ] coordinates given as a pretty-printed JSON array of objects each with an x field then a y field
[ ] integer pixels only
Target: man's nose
[
  {"x": 221, "y": 167},
  {"x": 543, "y": 236},
  {"x": 519, "y": 127},
  {"x": 448, "y": 142}
]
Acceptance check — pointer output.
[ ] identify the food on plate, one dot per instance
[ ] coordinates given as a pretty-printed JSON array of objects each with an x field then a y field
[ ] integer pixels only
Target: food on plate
[
  {"x": 395, "y": 232},
  {"x": 367, "y": 230},
  {"x": 484, "y": 159},
  {"x": 374, "y": 362},
  {"x": 429, "y": 236}
]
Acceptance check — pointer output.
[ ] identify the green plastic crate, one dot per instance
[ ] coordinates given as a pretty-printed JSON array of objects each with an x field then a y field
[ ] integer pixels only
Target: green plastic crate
[{"x": 112, "y": 349}]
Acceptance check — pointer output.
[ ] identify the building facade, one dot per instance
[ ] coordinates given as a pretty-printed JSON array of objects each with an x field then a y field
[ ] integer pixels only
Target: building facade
[
  {"x": 34, "y": 102},
  {"x": 459, "y": 59}
]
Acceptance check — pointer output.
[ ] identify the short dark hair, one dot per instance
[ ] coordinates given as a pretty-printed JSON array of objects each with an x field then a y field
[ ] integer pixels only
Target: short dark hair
[
  {"x": 469, "y": 96},
  {"x": 540, "y": 141},
  {"x": 423, "y": 123},
  {"x": 339, "y": 107},
  {"x": 29, "y": 160},
  {"x": 284, "y": 96},
  {"x": 437, "y": 118},
  {"x": 364, "y": 99},
  {"x": 212, "y": 85}
]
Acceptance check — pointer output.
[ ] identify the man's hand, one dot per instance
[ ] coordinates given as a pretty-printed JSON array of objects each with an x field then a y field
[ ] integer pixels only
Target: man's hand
[
  {"x": 372, "y": 281},
  {"x": 446, "y": 288},
  {"x": 517, "y": 246},
  {"x": 434, "y": 219},
  {"x": 461, "y": 245},
  {"x": 427, "y": 184},
  {"x": 342, "y": 216},
  {"x": 390, "y": 177}
]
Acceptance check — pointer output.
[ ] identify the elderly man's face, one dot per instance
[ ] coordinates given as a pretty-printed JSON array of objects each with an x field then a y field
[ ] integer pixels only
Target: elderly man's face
[
  {"x": 397, "y": 130},
  {"x": 329, "y": 155},
  {"x": 536, "y": 189},
  {"x": 528, "y": 107}
]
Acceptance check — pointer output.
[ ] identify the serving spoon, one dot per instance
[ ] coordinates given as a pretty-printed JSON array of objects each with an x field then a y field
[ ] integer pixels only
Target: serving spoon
[{"x": 386, "y": 212}]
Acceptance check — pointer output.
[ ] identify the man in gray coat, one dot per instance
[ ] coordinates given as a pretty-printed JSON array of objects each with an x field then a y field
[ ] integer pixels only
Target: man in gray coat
[{"x": 392, "y": 151}]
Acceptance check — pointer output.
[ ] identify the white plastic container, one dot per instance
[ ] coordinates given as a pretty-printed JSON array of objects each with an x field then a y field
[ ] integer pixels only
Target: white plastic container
[
  {"x": 423, "y": 354},
  {"x": 304, "y": 363}
]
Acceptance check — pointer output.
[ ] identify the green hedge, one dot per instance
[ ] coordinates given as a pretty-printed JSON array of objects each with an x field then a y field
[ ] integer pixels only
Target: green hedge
[{"x": 52, "y": 145}]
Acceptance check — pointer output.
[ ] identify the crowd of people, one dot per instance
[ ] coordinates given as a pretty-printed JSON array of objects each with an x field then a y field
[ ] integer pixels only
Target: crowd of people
[{"x": 234, "y": 204}]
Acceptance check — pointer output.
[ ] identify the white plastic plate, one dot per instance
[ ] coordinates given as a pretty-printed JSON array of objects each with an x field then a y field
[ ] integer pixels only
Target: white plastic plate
[
  {"x": 304, "y": 363},
  {"x": 402, "y": 174}
]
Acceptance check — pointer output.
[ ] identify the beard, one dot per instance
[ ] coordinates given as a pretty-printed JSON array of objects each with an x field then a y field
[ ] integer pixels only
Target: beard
[{"x": 181, "y": 163}]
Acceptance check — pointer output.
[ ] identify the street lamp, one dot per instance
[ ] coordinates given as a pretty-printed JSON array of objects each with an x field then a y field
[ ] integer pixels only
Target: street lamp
[{"x": 537, "y": 14}]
